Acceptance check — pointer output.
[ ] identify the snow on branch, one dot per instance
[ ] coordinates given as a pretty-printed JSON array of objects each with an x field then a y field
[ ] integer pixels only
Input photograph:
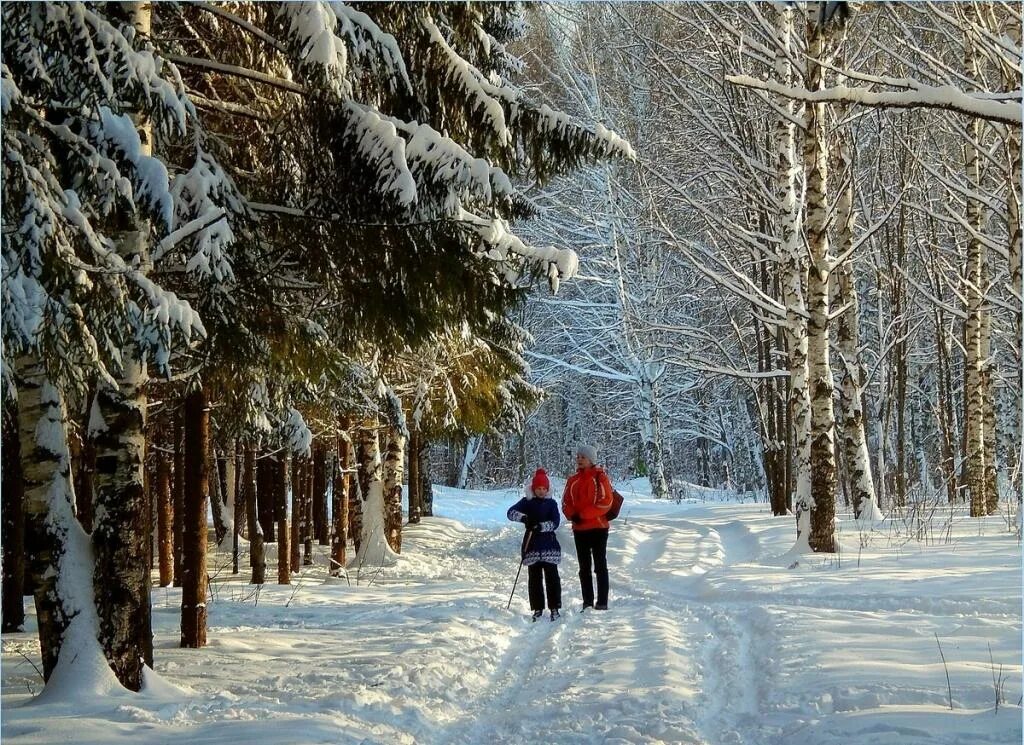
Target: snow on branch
[
  {"x": 469, "y": 79},
  {"x": 150, "y": 180},
  {"x": 326, "y": 33},
  {"x": 378, "y": 140},
  {"x": 503, "y": 245},
  {"x": 944, "y": 97},
  {"x": 199, "y": 194}
]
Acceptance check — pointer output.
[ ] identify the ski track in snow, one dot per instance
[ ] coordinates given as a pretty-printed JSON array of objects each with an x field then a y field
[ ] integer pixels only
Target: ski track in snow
[{"x": 710, "y": 639}]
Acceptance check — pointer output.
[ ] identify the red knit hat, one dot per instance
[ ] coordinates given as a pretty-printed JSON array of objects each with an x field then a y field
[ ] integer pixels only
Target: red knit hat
[{"x": 540, "y": 480}]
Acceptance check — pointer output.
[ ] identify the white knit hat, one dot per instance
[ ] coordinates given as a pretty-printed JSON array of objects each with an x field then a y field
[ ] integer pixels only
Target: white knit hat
[{"x": 589, "y": 452}]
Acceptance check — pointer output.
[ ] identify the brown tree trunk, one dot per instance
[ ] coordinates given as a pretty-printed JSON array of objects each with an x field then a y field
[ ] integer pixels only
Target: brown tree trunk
[
  {"x": 415, "y": 510},
  {"x": 238, "y": 495},
  {"x": 264, "y": 498},
  {"x": 340, "y": 495},
  {"x": 178, "y": 497},
  {"x": 284, "y": 574},
  {"x": 197, "y": 488},
  {"x": 165, "y": 518},
  {"x": 13, "y": 521},
  {"x": 427, "y": 487},
  {"x": 307, "y": 513},
  {"x": 319, "y": 504},
  {"x": 257, "y": 557},
  {"x": 297, "y": 512}
]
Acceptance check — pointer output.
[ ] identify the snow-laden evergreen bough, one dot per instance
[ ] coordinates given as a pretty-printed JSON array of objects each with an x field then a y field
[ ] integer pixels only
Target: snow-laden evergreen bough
[{"x": 254, "y": 194}]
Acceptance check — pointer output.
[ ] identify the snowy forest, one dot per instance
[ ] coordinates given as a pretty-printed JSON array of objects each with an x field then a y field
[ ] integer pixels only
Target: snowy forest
[{"x": 281, "y": 278}]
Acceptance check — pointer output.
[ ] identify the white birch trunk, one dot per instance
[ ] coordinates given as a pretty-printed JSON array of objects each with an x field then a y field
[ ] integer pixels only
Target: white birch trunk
[
  {"x": 119, "y": 537},
  {"x": 61, "y": 562},
  {"x": 854, "y": 438},
  {"x": 819, "y": 370},
  {"x": 787, "y": 173},
  {"x": 651, "y": 435},
  {"x": 855, "y": 445},
  {"x": 1015, "y": 435},
  {"x": 374, "y": 550},
  {"x": 974, "y": 414},
  {"x": 472, "y": 451},
  {"x": 394, "y": 470}
]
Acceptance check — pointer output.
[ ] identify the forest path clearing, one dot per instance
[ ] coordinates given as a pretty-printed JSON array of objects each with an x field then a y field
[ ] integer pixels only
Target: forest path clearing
[{"x": 710, "y": 638}]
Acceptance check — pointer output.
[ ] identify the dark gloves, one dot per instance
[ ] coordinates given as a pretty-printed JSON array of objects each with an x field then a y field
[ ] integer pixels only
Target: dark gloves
[
  {"x": 531, "y": 525},
  {"x": 575, "y": 519}
]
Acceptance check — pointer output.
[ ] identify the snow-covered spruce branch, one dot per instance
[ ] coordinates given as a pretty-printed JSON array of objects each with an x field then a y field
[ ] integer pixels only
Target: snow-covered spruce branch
[
  {"x": 944, "y": 97},
  {"x": 241, "y": 23},
  {"x": 280, "y": 209},
  {"x": 238, "y": 72}
]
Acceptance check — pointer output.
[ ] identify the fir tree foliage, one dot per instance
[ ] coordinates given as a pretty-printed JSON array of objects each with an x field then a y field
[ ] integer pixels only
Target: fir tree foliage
[{"x": 75, "y": 178}]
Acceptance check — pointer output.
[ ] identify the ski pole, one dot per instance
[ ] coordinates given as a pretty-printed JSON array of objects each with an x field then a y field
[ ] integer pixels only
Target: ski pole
[{"x": 526, "y": 545}]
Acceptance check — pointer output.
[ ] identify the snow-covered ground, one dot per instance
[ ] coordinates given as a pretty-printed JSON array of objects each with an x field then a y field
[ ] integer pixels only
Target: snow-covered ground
[{"x": 711, "y": 638}]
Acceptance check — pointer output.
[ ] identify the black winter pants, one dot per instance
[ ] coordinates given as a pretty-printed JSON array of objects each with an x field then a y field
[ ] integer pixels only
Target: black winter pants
[
  {"x": 592, "y": 551},
  {"x": 543, "y": 574}
]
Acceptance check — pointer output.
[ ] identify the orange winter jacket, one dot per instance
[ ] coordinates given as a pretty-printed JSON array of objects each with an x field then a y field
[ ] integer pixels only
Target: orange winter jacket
[{"x": 588, "y": 496}]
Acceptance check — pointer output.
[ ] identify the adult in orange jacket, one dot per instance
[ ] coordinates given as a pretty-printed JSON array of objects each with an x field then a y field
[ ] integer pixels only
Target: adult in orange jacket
[{"x": 587, "y": 497}]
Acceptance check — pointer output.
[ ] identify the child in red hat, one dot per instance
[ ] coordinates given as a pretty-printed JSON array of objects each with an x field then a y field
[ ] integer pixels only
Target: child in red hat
[{"x": 541, "y": 551}]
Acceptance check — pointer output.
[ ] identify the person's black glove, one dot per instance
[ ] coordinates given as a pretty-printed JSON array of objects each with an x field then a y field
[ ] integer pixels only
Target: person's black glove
[
  {"x": 575, "y": 519},
  {"x": 531, "y": 525}
]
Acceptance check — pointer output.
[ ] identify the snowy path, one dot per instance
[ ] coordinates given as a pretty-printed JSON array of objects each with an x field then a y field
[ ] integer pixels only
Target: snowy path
[{"x": 710, "y": 639}]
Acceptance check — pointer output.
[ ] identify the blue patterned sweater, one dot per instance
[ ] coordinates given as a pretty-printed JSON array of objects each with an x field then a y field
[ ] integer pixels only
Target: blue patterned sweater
[{"x": 543, "y": 545}]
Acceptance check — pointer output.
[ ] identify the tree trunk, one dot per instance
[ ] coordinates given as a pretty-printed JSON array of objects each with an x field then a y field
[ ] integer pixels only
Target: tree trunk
[
  {"x": 1016, "y": 261},
  {"x": 284, "y": 575},
  {"x": 297, "y": 512},
  {"x": 13, "y": 521},
  {"x": 415, "y": 486},
  {"x": 220, "y": 470},
  {"x": 197, "y": 488},
  {"x": 257, "y": 557},
  {"x": 319, "y": 504},
  {"x": 85, "y": 470},
  {"x": 179, "y": 497},
  {"x": 650, "y": 432},
  {"x": 823, "y": 474},
  {"x": 394, "y": 463},
  {"x": 340, "y": 496},
  {"x": 855, "y": 445},
  {"x": 355, "y": 502},
  {"x": 220, "y": 521},
  {"x": 974, "y": 413},
  {"x": 119, "y": 537},
  {"x": 859, "y": 485},
  {"x": 990, "y": 436},
  {"x": 59, "y": 560},
  {"x": 787, "y": 172},
  {"x": 473, "y": 447},
  {"x": 238, "y": 496},
  {"x": 165, "y": 518},
  {"x": 427, "y": 485},
  {"x": 373, "y": 548},
  {"x": 264, "y": 498},
  {"x": 307, "y": 512}
]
